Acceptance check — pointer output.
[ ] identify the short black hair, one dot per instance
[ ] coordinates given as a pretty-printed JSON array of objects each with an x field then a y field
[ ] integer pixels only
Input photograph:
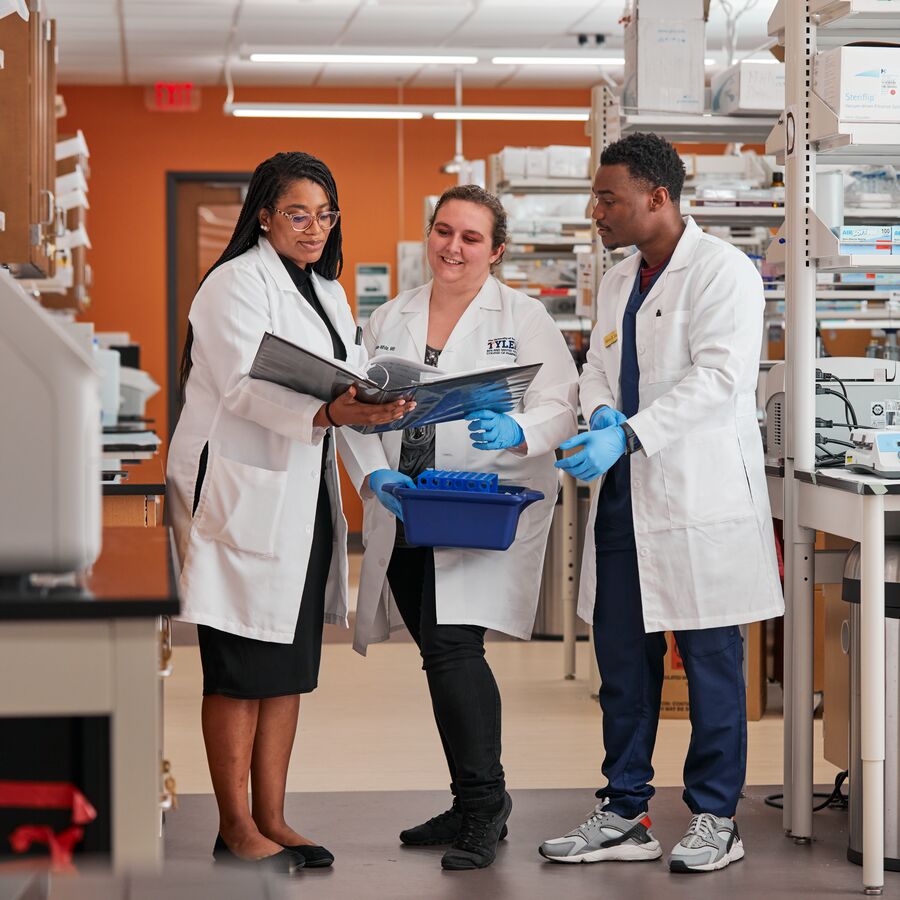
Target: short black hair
[{"x": 649, "y": 158}]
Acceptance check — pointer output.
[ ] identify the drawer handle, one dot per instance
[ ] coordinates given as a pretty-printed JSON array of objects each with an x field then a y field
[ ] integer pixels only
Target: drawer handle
[
  {"x": 169, "y": 797},
  {"x": 51, "y": 212},
  {"x": 165, "y": 646}
]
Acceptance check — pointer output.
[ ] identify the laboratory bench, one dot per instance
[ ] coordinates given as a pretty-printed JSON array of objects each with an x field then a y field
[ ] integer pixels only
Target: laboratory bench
[
  {"x": 95, "y": 647},
  {"x": 864, "y": 509},
  {"x": 133, "y": 489}
]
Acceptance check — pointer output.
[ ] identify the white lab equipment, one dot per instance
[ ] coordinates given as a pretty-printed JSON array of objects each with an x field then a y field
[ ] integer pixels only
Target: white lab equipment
[
  {"x": 874, "y": 452},
  {"x": 136, "y": 387},
  {"x": 50, "y": 443},
  {"x": 110, "y": 365},
  {"x": 850, "y": 392}
]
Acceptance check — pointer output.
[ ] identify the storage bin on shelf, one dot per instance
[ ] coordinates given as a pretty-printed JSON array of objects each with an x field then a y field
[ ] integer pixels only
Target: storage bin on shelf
[{"x": 462, "y": 509}]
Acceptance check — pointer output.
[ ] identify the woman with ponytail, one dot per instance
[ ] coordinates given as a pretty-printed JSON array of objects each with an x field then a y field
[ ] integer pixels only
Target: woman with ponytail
[{"x": 255, "y": 499}]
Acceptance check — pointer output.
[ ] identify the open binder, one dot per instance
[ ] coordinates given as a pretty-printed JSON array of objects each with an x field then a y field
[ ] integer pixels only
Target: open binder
[{"x": 439, "y": 397}]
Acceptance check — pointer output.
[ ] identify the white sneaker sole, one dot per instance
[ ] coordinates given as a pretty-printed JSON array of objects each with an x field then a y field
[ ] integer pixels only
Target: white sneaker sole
[
  {"x": 734, "y": 854},
  {"x": 622, "y": 853}
]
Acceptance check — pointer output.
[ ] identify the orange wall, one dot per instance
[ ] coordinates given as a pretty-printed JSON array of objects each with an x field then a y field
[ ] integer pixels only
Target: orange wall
[{"x": 132, "y": 149}]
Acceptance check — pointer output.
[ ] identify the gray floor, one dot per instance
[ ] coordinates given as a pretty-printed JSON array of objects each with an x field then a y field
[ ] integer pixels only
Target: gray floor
[{"x": 361, "y": 830}]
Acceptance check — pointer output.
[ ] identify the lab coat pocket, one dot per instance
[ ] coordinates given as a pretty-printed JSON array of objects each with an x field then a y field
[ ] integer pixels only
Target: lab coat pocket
[
  {"x": 241, "y": 505},
  {"x": 671, "y": 346},
  {"x": 705, "y": 479}
]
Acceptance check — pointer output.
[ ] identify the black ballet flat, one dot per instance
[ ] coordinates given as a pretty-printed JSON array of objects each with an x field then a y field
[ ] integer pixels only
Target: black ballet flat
[
  {"x": 314, "y": 857},
  {"x": 286, "y": 862}
]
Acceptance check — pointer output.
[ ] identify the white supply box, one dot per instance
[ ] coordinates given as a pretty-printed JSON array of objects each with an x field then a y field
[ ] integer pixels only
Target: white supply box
[
  {"x": 865, "y": 239},
  {"x": 568, "y": 162},
  {"x": 665, "y": 46},
  {"x": 752, "y": 87},
  {"x": 860, "y": 84}
]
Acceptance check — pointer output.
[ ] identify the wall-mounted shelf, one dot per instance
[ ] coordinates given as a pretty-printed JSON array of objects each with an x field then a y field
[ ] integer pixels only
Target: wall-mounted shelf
[
  {"x": 824, "y": 249},
  {"x": 776, "y": 251},
  {"x": 838, "y": 142},
  {"x": 704, "y": 128},
  {"x": 545, "y": 185},
  {"x": 734, "y": 215},
  {"x": 834, "y": 295},
  {"x": 841, "y": 21}
]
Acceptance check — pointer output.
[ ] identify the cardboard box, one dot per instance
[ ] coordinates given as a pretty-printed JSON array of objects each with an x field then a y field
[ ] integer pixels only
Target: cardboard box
[
  {"x": 675, "y": 701},
  {"x": 664, "y": 68},
  {"x": 751, "y": 87},
  {"x": 860, "y": 84}
]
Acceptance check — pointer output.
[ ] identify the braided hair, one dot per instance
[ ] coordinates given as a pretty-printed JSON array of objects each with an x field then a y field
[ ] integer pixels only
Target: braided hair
[{"x": 269, "y": 182}]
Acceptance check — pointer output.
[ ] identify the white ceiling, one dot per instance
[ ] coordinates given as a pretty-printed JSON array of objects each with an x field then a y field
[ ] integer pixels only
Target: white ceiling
[{"x": 144, "y": 41}]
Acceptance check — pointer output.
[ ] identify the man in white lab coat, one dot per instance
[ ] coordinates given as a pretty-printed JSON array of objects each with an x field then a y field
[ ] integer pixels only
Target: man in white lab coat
[{"x": 680, "y": 535}]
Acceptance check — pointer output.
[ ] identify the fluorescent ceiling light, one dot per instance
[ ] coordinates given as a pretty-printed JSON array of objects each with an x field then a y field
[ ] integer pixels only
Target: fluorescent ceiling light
[
  {"x": 319, "y": 111},
  {"x": 365, "y": 59},
  {"x": 566, "y": 61},
  {"x": 510, "y": 115},
  {"x": 558, "y": 61}
]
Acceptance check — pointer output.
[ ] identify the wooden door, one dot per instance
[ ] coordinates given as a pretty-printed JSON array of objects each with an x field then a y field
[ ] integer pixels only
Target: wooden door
[{"x": 203, "y": 209}]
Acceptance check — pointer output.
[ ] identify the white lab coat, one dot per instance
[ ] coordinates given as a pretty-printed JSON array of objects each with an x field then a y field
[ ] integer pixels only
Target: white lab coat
[
  {"x": 702, "y": 522},
  {"x": 244, "y": 553},
  {"x": 489, "y": 588}
]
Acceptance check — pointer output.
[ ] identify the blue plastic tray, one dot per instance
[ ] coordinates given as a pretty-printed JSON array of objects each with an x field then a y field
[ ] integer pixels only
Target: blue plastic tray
[{"x": 435, "y": 517}]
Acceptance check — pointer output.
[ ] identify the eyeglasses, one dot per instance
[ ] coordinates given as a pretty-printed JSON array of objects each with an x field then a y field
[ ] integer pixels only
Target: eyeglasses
[{"x": 302, "y": 221}]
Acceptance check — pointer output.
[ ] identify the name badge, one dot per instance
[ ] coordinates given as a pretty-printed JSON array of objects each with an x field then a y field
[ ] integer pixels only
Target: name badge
[{"x": 610, "y": 339}]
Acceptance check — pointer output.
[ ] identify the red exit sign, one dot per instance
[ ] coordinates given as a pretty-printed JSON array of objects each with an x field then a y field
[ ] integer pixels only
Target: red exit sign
[{"x": 173, "y": 96}]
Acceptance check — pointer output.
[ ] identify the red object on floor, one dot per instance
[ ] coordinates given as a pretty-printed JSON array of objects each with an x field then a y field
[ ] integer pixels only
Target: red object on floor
[{"x": 48, "y": 795}]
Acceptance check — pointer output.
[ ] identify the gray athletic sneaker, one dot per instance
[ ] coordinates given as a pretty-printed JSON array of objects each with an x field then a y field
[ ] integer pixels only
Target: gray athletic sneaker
[
  {"x": 710, "y": 843},
  {"x": 604, "y": 836}
]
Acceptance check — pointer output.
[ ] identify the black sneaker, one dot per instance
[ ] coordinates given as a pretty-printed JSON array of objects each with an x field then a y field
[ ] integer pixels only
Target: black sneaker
[
  {"x": 476, "y": 844},
  {"x": 441, "y": 829}
]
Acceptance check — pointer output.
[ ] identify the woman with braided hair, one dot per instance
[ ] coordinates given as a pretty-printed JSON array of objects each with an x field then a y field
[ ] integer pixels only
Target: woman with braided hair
[{"x": 255, "y": 497}]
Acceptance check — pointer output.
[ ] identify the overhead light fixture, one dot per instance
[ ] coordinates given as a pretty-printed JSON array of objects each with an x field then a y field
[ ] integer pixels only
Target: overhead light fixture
[
  {"x": 567, "y": 61},
  {"x": 558, "y": 61},
  {"x": 508, "y": 114},
  {"x": 369, "y": 59},
  {"x": 319, "y": 111}
]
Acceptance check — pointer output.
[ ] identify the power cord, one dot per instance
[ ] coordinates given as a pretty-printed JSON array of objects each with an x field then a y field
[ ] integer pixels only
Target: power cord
[
  {"x": 837, "y": 799},
  {"x": 843, "y": 398}
]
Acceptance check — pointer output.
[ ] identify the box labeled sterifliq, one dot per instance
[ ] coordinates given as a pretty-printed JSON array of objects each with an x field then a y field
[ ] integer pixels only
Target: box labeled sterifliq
[{"x": 860, "y": 84}]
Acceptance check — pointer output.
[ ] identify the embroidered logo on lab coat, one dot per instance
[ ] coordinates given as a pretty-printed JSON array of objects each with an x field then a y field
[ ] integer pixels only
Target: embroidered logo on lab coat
[
  {"x": 610, "y": 339},
  {"x": 502, "y": 346}
]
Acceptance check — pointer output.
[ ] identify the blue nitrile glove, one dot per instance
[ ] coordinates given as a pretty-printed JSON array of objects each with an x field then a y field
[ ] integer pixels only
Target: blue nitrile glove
[
  {"x": 604, "y": 416},
  {"x": 601, "y": 450},
  {"x": 494, "y": 431},
  {"x": 381, "y": 477}
]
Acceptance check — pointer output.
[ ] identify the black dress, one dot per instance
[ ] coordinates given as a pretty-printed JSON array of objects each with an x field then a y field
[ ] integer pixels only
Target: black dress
[{"x": 247, "y": 669}]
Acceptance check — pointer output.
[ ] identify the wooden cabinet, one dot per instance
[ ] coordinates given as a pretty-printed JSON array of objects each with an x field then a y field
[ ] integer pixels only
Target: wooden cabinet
[{"x": 28, "y": 142}]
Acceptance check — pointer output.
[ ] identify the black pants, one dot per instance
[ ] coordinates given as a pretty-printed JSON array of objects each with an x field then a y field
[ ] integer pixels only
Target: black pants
[{"x": 464, "y": 694}]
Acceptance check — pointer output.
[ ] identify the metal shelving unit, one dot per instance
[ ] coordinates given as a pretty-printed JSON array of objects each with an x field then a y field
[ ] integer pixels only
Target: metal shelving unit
[{"x": 852, "y": 506}]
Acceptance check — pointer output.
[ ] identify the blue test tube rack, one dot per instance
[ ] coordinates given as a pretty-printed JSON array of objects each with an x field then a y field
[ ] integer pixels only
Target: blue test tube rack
[{"x": 471, "y": 482}]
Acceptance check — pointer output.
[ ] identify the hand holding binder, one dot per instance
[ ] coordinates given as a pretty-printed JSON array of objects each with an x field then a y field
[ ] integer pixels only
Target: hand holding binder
[{"x": 439, "y": 397}]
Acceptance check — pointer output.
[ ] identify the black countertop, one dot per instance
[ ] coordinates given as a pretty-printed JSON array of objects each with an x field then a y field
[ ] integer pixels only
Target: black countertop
[
  {"x": 134, "y": 577},
  {"x": 139, "y": 476}
]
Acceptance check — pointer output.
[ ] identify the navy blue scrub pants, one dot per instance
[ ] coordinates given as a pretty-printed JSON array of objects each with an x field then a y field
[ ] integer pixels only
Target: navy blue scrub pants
[{"x": 631, "y": 673}]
